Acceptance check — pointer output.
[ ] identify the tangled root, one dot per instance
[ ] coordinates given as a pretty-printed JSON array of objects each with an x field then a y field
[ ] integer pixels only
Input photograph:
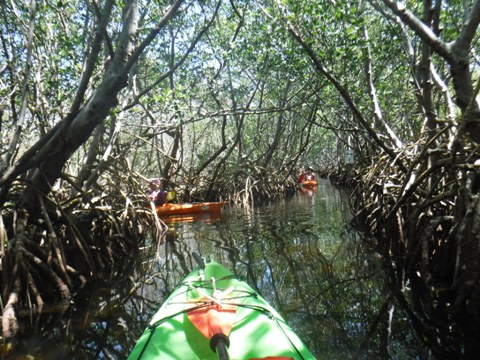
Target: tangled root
[
  {"x": 49, "y": 256},
  {"x": 426, "y": 225}
]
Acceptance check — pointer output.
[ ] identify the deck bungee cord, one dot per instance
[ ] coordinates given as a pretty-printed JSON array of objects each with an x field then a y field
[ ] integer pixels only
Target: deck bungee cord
[
  {"x": 260, "y": 309},
  {"x": 233, "y": 320}
]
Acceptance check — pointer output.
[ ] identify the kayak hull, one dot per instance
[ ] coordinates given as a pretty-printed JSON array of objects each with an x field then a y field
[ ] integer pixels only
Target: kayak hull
[
  {"x": 310, "y": 183},
  {"x": 206, "y": 217},
  {"x": 257, "y": 330},
  {"x": 185, "y": 209}
]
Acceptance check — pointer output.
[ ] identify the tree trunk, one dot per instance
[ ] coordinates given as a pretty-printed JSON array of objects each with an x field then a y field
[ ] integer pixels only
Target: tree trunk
[
  {"x": 456, "y": 54},
  {"x": 69, "y": 137}
]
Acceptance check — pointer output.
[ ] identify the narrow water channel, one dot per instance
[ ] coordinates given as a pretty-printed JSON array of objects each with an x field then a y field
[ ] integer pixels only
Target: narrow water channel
[
  {"x": 300, "y": 254},
  {"x": 304, "y": 258}
]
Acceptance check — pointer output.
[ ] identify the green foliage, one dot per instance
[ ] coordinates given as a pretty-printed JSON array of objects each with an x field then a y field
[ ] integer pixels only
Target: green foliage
[
  {"x": 246, "y": 69},
  {"x": 221, "y": 99}
]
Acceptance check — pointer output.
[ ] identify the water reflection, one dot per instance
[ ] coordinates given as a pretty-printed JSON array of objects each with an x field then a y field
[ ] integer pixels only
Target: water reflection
[{"x": 299, "y": 254}]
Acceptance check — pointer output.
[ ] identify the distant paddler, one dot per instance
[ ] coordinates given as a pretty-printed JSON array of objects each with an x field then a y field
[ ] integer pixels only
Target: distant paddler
[
  {"x": 158, "y": 193},
  {"x": 307, "y": 178}
]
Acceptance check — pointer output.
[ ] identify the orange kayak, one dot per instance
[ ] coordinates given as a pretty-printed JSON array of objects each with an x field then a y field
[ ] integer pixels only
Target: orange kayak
[
  {"x": 310, "y": 183},
  {"x": 206, "y": 217},
  {"x": 181, "y": 209}
]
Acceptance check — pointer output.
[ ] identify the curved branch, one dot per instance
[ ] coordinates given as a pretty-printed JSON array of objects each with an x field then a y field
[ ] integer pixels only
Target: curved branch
[
  {"x": 422, "y": 30},
  {"x": 178, "y": 64},
  {"x": 100, "y": 31},
  {"x": 346, "y": 96},
  {"x": 163, "y": 22},
  {"x": 19, "y": 123},
  {"x": 455, "y": 53},
  {"x": 469, "y": 28}
]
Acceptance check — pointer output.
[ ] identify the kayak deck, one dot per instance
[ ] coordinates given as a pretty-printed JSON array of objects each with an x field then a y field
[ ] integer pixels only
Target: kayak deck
[{"x": 257, "y": 330}]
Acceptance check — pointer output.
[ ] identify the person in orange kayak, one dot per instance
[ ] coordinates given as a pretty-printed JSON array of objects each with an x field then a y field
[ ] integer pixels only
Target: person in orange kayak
[
  {"x": 157, "y": 194},
  {"x": 307, "y": 174}
]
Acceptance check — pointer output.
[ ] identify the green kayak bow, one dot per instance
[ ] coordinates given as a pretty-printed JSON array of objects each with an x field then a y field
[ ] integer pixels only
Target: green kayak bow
[{"x": 213, "y": 315}]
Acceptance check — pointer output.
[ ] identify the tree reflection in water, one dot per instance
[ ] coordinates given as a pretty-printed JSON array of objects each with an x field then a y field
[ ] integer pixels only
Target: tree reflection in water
[
  {"x": 304, "y": 259},
  {"x": 299, "y": 254}
]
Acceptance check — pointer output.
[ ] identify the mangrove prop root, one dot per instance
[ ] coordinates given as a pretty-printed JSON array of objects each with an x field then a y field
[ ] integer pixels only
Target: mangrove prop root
[
  {"x": 47, "y": 257},
  {"x": 9, "y": 319},
  {"x": 426, "y": 224}
]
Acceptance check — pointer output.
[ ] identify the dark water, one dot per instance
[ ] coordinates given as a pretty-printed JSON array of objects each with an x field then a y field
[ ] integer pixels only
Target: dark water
[
  {"x": 300, "y": 254},
  {"x": 304, "y": 258}
]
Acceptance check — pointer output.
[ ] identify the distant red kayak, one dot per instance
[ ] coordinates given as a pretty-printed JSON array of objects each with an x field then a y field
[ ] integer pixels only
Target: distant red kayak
[
  {"x": 181, "y": 209},
  {"x": 309, "y": 183}
]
